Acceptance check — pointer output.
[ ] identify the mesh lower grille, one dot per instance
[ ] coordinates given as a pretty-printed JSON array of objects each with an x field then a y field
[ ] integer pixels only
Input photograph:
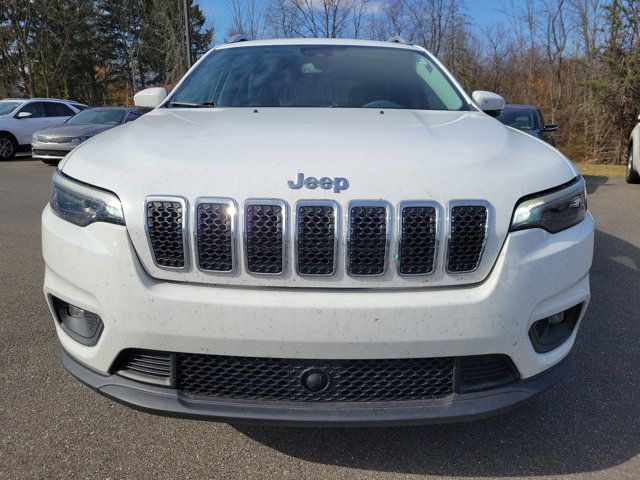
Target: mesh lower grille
[
  {"x": 164, "y": 223},
  {"x": 468, "y": 234},
  {"x": 251, "y": 378},
  {"x": 280, "y": 379},
  {"x": 264, "y": 238},
  {"x": 316, "y": 227},
  {"x": 418, "y": 240},
  {"x": 367, "y": 247},
  {"x": 215, "y": 241}
]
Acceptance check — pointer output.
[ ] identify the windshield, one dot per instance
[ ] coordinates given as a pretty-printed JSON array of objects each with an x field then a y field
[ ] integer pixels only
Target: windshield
[
  {"x": 318, "y": 76},
  {"x": 7, "y": 107},
  {"x": 97, "y": 115},
  {"x": 522, "y": 119}
]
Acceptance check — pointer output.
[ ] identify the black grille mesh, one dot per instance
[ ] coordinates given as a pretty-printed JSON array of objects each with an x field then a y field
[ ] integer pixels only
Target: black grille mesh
[
  {"x": 164, "y": 221},
  {"x": 418, "y": 240},
  {"x": 316, "y": 226},
  {"x": 264, "y": 237},
  {"x": 280, "y": 379},
  {"x": 367, "y": 246},
  {"x": 215, "y": 243},
  {"x": 250, "y": 378},
  {"x": 468, "y": 232}
]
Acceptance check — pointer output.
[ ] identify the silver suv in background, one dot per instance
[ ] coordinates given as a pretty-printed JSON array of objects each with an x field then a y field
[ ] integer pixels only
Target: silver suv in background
[
  {"x": 20, "y": 118},
  {"x": 52, "y": 144},
  {"x": 633, "y": 158}
]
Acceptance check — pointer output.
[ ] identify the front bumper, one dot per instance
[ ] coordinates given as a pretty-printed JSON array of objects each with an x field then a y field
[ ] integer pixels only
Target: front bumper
[
  {"x": 535, "y": 276},
  {"x": 456, "y": 407},
  {"x": 50, "y": 151}
]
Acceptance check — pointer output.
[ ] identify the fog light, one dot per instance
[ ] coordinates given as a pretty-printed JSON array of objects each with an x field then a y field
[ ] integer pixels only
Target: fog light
[
  {"x": 551, "y": 332},
  {"x": 82, "y": 325}
]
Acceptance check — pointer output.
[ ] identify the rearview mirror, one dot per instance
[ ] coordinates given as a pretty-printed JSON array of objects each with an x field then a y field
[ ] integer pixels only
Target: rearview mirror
[
  {"x": 150, "y": 98},
  {"x": 24, "y": 115},
  {"x": 550, "y": 127},
  {"x": 489, "y": 102}
]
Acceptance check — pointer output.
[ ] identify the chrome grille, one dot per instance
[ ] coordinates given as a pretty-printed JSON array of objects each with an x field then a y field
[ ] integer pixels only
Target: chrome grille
[
  {"x": 418, "y": 238},
  {"x": 468, "y": 231},
  {"x": 264, "y": 237},
  {"x": 51, "y": 139},
  {"x": 166, "y": 231},
  {"x": 324, "y": 242},
  {"x": 316, "y": 244},
  {"x": 215, "y": 233},
  {"x": 368, "y": 238}
]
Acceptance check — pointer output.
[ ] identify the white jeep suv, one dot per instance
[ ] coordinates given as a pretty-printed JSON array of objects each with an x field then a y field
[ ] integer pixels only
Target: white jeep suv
[
  {"x": 20, "y": 118},
  {"x": 317, "y": 232},
  {"x": 633, "y": 155}
]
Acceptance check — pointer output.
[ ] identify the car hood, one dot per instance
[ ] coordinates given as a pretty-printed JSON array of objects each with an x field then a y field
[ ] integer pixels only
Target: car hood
[
  {"x": 75, "y": 129},
  {"x": 391, "y": 155}
]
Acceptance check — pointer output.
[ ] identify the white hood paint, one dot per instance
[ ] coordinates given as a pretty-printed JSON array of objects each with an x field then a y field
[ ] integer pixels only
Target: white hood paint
[{"x": 392, "y": 155}]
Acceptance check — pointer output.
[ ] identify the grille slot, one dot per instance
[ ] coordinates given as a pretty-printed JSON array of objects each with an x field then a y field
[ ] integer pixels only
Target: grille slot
[
  {"x": 215, "y": 232},
  {"x": 264, "y": 237},
  {"x": 468, "y": 231},
  {"x": 279, "y": 379},
  {"x": 483, "y": 372},
  {"x": 166, "y": 231},
  {"x": 316, "y": 243},
  {"x": 418, "y": 238},
  {"x": 368, "y": 238},
  {"x": 147, "y": 366}
]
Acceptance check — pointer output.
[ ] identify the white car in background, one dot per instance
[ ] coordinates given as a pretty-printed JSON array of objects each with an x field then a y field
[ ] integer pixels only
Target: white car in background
[
  {"x": 20, "y": 118},
  {"x": 633, "y": 160}
]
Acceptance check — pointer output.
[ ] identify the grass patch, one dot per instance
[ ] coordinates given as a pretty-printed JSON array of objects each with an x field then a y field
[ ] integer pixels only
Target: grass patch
[{"x": 595, "y": 170}]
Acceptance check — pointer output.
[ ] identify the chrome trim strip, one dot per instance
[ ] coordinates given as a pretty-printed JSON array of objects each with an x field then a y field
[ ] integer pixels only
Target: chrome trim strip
[
  {"x": 337, "y": 231},
  {"x": 466, "y": 203},
  {"x": 438, "y": 222},
  {"x": 285, "y": 233},
  {"x": 368, "y": 203},
  {"x": 231, "y": 204},
  {"x": 185, "y": 220}
]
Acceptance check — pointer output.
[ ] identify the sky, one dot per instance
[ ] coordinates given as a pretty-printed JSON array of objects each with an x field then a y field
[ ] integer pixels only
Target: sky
[{"x": 481, "y": 13}]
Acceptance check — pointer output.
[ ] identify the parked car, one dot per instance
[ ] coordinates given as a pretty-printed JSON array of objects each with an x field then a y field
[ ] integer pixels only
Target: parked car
[
  {"x": 317, "y": 231},
  {"x": 52, "y": 144},
  {"x": 633, "y": 158},
  {"x": 21, "y": 118},
  {"x": 528, "y": 119}
]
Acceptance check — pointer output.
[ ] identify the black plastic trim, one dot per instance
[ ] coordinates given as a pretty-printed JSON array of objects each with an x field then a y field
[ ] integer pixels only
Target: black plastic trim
[{"x": 456, "y": 407}]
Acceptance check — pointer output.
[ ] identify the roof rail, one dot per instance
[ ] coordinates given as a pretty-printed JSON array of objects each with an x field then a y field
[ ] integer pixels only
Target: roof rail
[
  {"x": 397, "y": 39},
  {"x": 239, "y": 37}
]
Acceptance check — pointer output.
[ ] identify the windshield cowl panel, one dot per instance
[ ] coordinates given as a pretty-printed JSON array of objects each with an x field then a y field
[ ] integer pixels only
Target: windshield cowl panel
[{"x": 328, "y": 76}]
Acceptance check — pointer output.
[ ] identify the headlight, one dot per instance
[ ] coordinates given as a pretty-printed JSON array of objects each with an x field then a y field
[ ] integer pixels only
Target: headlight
[
  {"x": 553, "y": 211},
  {"x": 80, "y": 139},
  {"x": 81, "y": 204}
]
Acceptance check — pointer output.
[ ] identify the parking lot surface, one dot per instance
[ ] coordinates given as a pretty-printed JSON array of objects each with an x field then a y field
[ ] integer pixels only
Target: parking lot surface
[{"x": 52, "y": 427}]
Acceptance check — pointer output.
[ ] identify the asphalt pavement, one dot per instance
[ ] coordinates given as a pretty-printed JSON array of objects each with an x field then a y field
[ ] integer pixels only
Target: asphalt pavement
[{"x": 587, "y": 427}]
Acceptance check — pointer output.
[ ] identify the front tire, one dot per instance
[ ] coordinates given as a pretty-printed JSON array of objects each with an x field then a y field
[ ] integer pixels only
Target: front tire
[
  {"x": 632, "y": 175},
  {"x": 8, "y": 147}
]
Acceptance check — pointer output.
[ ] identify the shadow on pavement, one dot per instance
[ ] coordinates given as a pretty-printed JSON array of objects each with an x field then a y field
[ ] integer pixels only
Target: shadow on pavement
[
  {"x": 593, "y": 182},
  {"x": 588, "y": 422}
]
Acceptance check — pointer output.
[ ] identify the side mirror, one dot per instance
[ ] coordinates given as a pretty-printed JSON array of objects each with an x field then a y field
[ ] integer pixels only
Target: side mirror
[
  {"x": 550, "y": 127},
  {"x": 489, "y": 102},
  {"x": 150, "y": 98},
  {"x": 24, "y": 115}
]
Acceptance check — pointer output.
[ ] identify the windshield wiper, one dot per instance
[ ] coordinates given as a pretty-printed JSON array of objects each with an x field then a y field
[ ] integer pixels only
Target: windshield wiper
[{"x": 191, "y": 105}]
